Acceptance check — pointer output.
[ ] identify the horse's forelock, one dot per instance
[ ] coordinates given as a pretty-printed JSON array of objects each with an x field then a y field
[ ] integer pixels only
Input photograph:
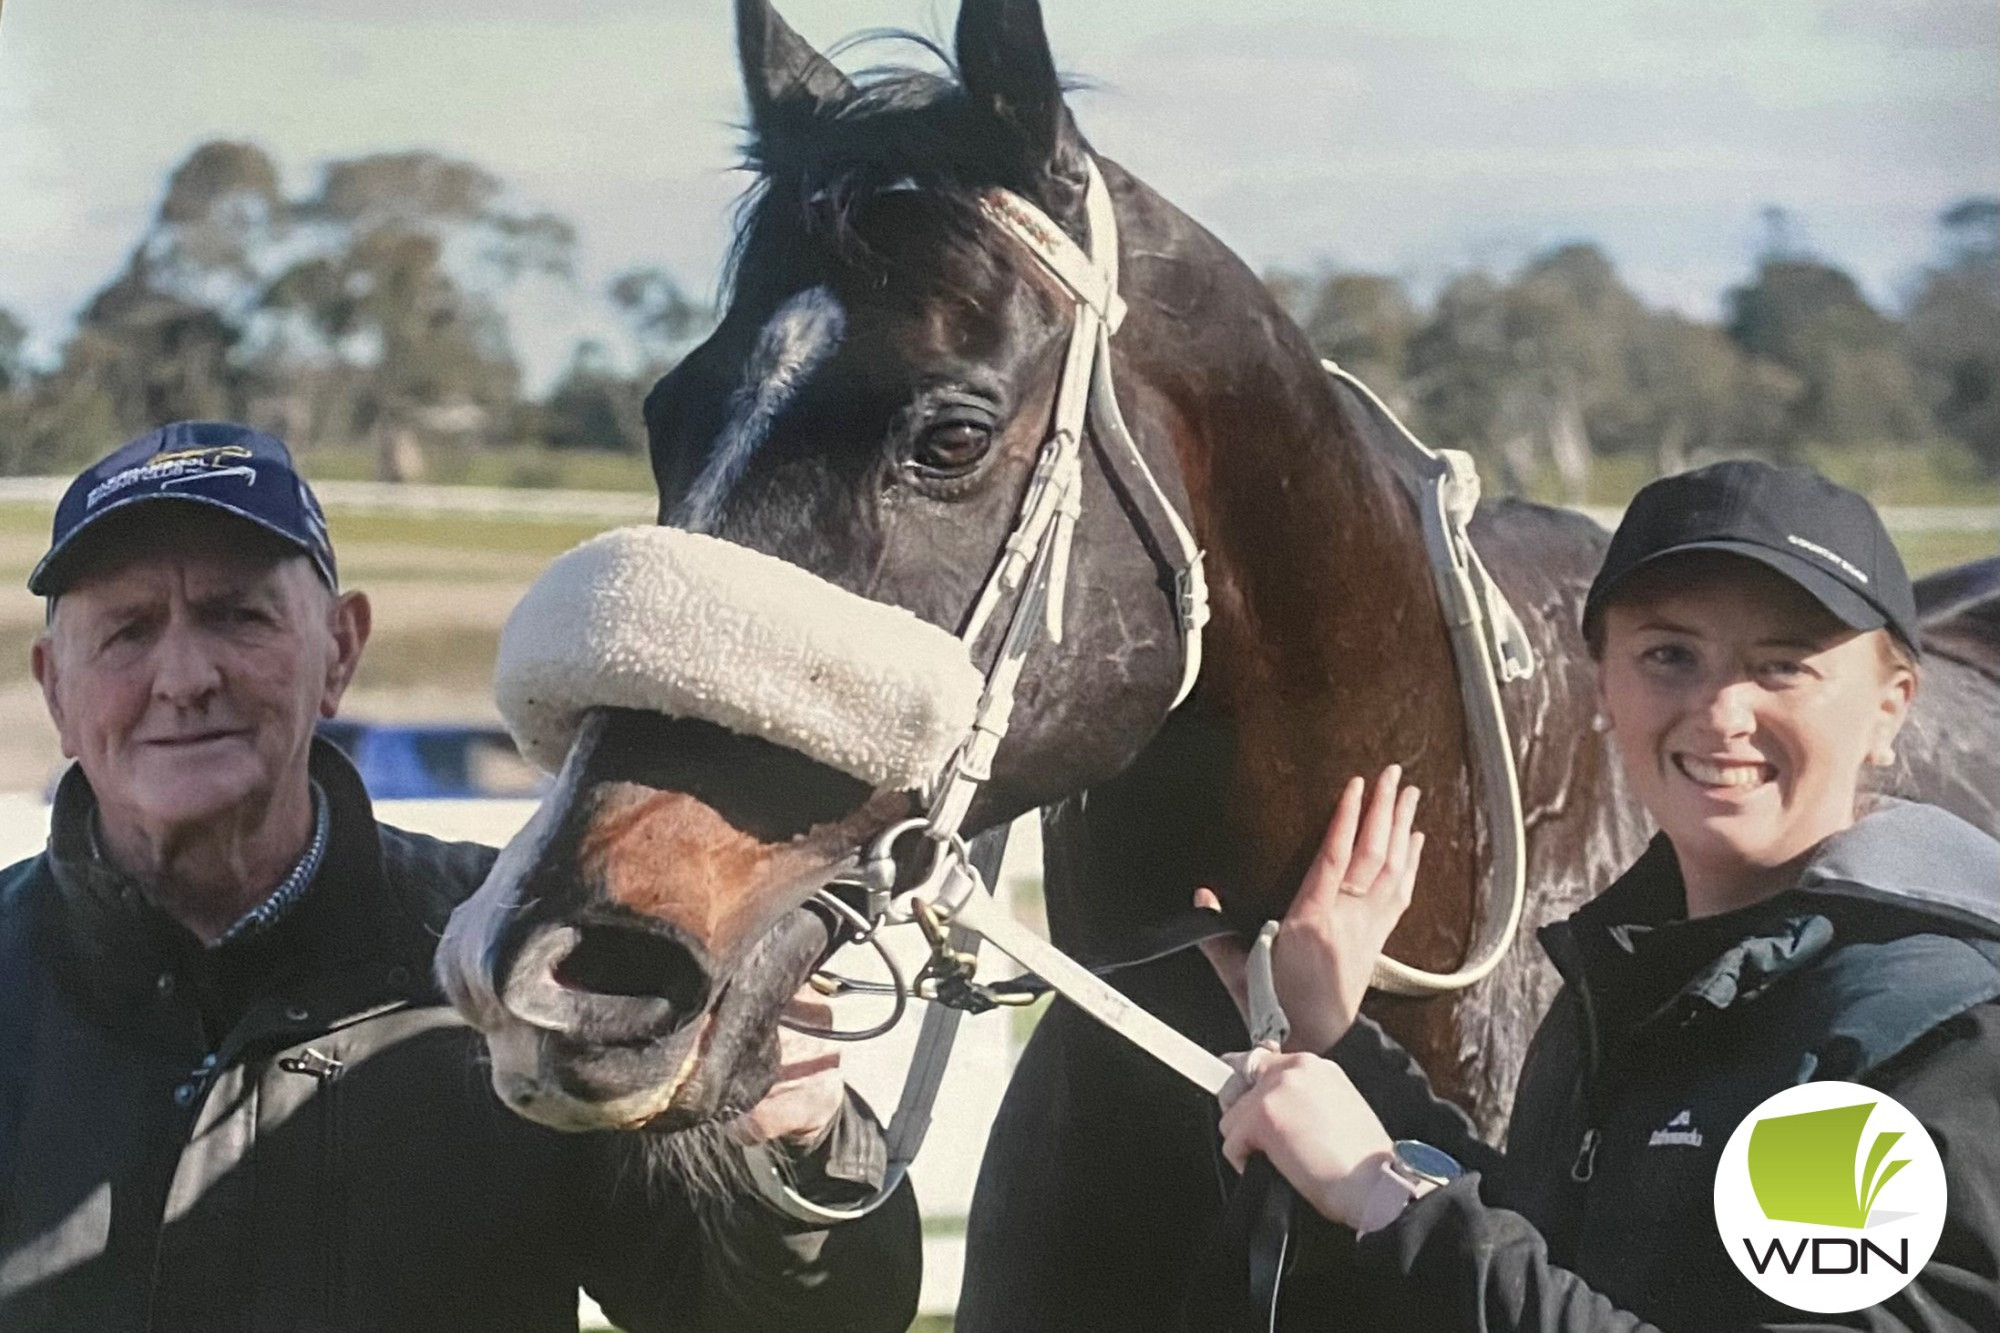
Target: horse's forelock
[{"x": 903, "y": 128}]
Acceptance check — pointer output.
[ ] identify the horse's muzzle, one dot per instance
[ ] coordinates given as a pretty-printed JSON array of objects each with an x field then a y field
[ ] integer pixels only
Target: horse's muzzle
[{"x": 607, "y": 982}]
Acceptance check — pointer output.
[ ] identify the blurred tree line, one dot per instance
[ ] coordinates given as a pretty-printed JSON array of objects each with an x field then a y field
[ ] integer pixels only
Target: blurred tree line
[
  {"x": 368, "y": 312},
  {"x": 1545, "y": 371}
]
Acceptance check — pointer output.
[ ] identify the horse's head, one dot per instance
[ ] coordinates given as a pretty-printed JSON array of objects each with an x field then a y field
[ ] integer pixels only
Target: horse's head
[{"x": 870, "y": 410}]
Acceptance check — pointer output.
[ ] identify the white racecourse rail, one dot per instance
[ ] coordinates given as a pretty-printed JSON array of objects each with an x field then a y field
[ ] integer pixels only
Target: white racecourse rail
[
  {"x": 616, "y": 507},
  {"x": 980, "y": 1063}
]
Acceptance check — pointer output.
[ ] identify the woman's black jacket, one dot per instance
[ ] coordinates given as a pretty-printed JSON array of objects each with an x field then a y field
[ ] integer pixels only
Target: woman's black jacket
[{"x": 1879, "y": 968}]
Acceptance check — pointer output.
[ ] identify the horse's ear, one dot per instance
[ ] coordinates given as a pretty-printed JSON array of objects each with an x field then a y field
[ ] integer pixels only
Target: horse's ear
[
  {"x": 1010, "y": 73},
  {"x": 782, "y": 73}
]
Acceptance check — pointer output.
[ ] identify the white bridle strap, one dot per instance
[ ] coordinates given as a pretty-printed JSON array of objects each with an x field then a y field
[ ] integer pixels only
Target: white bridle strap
[
  {"x": 1087, "y": 393},
  {"x": 1033, "y": 566},
  {"x": 1036, "y": 556},
  {"x": 1091, "y": 277}
]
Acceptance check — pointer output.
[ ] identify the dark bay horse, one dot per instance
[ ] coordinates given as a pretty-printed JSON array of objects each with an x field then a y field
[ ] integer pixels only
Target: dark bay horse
[{"x": 870, "y": 409}]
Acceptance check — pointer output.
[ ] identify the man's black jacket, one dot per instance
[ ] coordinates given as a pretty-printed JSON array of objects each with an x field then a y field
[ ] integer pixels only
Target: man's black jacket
[
  {"x": 293, "y": 1131},
  {"x": 1880, "y": 968}
]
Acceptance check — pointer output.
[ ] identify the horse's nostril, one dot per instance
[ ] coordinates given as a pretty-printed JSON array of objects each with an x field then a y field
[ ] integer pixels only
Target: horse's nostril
[{"x": 615, "y": 960}]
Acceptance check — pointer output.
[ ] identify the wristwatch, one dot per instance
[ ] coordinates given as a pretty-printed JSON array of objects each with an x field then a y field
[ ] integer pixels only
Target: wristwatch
[{"x": 1412, "y": 1170}]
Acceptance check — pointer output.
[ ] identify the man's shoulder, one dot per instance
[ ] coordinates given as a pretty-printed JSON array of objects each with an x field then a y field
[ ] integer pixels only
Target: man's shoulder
[
  {"x": 15, "y": 879},
  {"x": 431, "y": 871}
]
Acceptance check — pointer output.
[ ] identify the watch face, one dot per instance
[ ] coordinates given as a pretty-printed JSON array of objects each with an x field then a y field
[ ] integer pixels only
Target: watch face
[{"x": 1427, "y": 1163}]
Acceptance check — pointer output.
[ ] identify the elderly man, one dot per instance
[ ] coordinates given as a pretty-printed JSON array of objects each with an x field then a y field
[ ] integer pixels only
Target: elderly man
[{"x": 229, "y": 1096}]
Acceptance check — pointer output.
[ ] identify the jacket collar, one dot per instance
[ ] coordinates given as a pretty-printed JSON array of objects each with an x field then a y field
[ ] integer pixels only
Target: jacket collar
[
  {"x": 1636, "y": 956},
  {"x": 115, "y": 943},
  {"x": 1903, "y": 869}
]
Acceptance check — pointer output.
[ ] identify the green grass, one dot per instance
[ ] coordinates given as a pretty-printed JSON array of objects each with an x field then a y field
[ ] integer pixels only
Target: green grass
[
  {"x": 24, "y": 520},
  {"x": 1945, "y": 474},
  {"x": 439, "y": 657},
  {"x": 484, "y": 466},
  {"x": 1931, "y": 474},
  {"x": 1924, "y": 552},
  {"x": 460, "y": 532}
]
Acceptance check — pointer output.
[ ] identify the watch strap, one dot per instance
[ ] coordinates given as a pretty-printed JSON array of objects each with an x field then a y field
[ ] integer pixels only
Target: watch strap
[{"x": 1388, "y": 1196}]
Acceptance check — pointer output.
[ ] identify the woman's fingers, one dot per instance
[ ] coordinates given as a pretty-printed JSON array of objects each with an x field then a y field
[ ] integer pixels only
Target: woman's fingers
[
  {"x": 1406, "y": 887},
  {"x": 1364, "y": 848},
  {"x": 1228, "y": 956},
  {"x": 1399, "y": 836},
  {"x": 1371, "y": 850},
  {"x": 1329, "y": 868},
  {"x": 1242, "y": 1123}
]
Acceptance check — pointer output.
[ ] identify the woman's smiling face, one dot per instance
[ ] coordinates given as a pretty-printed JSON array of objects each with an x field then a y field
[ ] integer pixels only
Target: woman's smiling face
[{"x": 1744, "y": 712}]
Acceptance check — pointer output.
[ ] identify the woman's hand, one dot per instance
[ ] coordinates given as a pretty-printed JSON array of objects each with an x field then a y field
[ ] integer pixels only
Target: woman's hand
[
  {"x": 1353, "y": 895},
  {"x": 809, "y": 1090},
  {"x": 1304, "y": 1114}
]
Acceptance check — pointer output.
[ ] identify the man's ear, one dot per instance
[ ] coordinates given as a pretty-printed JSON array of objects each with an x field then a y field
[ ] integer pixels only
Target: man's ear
[
  {"x": 349, "y": 618},
  {"x": 42, "y": 660}
]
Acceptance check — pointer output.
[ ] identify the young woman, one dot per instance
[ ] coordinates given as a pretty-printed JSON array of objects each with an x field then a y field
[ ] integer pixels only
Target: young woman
[{"x": 1755, "y": 636}]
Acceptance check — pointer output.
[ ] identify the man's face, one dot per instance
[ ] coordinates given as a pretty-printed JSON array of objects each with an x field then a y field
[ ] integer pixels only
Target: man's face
[{"x": 185, "y": 672}]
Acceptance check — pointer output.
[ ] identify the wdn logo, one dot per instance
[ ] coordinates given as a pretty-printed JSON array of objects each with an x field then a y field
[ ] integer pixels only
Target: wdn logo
[{"x": 1830, "y": 1197}]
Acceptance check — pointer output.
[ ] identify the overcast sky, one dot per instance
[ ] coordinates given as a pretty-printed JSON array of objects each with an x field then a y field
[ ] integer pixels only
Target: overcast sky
[{"x": 1410, "y": 137}]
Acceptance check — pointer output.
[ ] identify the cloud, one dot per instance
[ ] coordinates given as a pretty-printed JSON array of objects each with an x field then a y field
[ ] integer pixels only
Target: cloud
[
  {"x": 1935, "y": 25},
  {"x": 1399, "y": 135},
  {"x": 428, "y": 12}
]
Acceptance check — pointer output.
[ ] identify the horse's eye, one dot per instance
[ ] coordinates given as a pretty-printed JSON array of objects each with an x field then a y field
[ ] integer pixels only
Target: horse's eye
[{"x": 952, "y": 448}]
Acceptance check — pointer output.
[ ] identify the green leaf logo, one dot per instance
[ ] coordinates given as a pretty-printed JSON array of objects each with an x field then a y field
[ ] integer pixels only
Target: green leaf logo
[{"x": 1802, "y": 1167}]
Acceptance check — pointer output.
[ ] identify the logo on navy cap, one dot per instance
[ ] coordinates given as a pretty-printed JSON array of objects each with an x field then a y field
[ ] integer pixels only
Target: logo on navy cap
[
  {"x": 217, "y": 464},
  {"x": 175, "y": 469}
]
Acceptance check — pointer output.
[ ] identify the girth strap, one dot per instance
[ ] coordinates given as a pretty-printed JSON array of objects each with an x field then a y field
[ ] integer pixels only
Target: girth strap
[{"x": 1489, "y": 648}]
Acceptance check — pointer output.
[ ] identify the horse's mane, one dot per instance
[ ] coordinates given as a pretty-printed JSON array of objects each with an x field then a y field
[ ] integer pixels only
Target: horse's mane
[{"x": 903, "y": 128}]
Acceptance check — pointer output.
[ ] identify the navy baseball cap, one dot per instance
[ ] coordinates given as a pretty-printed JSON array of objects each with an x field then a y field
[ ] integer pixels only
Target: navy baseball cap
[
  {"x": 215, "y": 463},
  {"x": 1823, "y": 537}
]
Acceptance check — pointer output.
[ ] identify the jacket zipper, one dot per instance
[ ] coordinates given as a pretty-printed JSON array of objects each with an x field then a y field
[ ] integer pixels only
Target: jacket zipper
[
  {"x": 326, "y": 1070},
  {"x": 1585, "y": 1165}
]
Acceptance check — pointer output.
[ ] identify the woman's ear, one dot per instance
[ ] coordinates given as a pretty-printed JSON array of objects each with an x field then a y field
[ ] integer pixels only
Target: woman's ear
[{"x": 1899, "y": 690}]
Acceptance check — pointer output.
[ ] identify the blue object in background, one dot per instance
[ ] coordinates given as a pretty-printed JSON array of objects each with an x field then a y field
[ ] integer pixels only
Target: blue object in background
[{"x": 424, "y": 762}]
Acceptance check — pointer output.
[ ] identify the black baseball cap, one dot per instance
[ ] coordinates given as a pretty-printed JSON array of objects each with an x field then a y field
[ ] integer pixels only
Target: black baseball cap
[
  {"x": 215, "y": 463},
  {"x": 1823, "y": 537}
]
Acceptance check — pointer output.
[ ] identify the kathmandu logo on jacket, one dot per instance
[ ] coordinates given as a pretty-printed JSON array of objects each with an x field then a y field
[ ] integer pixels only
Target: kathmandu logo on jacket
[
  {"x": 1677, "y": 1133},
  {"x": 1830, "y": 1197}
]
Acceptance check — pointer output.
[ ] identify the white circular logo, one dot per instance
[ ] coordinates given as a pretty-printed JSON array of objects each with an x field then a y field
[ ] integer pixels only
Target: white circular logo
[{"x": 1830, "y": 1197}]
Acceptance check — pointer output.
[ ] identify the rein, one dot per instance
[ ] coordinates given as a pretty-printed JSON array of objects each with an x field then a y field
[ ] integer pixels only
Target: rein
[{"x": 953, "y": 902}]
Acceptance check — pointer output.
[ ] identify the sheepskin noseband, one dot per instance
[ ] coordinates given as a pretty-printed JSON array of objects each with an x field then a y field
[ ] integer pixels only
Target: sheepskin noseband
[{"x": 688, "y": 625}]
